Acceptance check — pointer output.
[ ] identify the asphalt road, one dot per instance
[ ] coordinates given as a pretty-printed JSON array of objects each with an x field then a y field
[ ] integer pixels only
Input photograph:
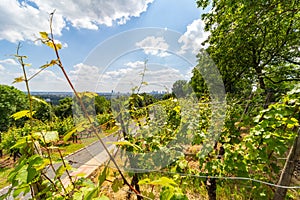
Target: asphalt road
[
  {"x": 75, "y": 159},
  {"x": 83, "y": 155}
]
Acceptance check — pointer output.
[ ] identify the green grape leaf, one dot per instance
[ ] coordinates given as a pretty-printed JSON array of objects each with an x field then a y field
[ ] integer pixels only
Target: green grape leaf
[
  {"x": 102, "y": 176},
  {"x": 39, "y": 100},
  {"x": 167, "y": 194},
  {"x": 48, "y": 136},
  {"x": 61, "y": 170},
  {"x": 127, "y": 143},
  {"x": 163, "y": 181},
  {"x": 69, "y": 134},
  {"x": 117, "y": 184},
  {"x": 21, "y": 114},
  {"x": 103, "y": 197},
  {"x": 22, "y": 174}
]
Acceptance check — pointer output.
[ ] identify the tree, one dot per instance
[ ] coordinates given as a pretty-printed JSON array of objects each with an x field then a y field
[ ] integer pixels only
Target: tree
[
  {"x": 181, "y": 88},
  {"x": 251, "y": 38},
  {"x": 43, "y": 110},
  {"x": 64, "y": 108},
  {"x": 12, "y": 100},
  {"x": 253, "y": 44},
  {"x": 102, "y": 105}
]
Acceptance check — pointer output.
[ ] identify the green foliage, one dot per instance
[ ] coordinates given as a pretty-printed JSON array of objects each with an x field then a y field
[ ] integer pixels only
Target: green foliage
[
  {"x": 10, "y": 138},
  {"x": 252, "y": 44},
  {"x": 64, "y": 108},
  {"x": 170, "y": 189},
  {"x": 276, "y": 128},
  {"x": 197, "y": 83},
  {"x": 181, "y": 88},
  {"x": 250, "y": 39},
  {"x": 43, "y": 110},
  {"x": 106, "y": 120},
  {"x": 102, "y": 105},
  {"x": 62, "y": 126},
  {"x": 21, "y": 114},
  {"x": 46, "y": 136},
  {"x": 12, "y": 100}
]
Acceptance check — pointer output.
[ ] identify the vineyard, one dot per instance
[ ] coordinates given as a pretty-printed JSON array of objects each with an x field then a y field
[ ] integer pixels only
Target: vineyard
[{"x": 228, "y": 133}]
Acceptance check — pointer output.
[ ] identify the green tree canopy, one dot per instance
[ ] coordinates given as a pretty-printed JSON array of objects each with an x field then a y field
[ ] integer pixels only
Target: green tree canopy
[
  {"x": 12, "y": 100},
  {"x": 102, "y": 105},
  {"x": 181, "y": 88},
  {"x": 64, "y": 108},
  {"x": 254, "y": 42}
]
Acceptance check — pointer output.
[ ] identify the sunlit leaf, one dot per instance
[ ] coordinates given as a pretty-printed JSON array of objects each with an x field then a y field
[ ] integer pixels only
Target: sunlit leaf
[
  {"x": 21, "y": 114},
  {"x": 127, "y": 143},
  {"x": 44, "y": 35},
  {"x": 50, "y": 44},
  {"x": 39, "y": 100},
  {"x": 20, "y": 144},
  {"x": 19, "y": 79},
  {"x": 47, "y": 136},
  {"x": 90, "y": 194},
  {"x": 22, "y": 174},
  {"x": 27, "y": 64},
  {"x": 61, "y": 170},
  {"x": 58, "y": 46},
  {"x": 69, "y": 134},
  {"x": 41, "y": 165},
  {"x": 163, "y": 181},
  {"x": 87, "y": 94}
]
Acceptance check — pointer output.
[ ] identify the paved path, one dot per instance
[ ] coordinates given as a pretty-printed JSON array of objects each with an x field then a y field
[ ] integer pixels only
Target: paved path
[
  {"x": 84, "y": 161},
  {"x": 80, "y": 157}
]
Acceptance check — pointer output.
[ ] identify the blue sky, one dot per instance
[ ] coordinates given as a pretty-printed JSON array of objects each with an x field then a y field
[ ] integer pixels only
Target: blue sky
[{"x": 105, "y": 42}]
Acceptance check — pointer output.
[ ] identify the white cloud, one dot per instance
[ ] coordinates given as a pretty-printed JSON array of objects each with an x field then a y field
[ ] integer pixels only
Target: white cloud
[
  {"x": 154, "y": 46},
  {"x": 85, "y": 77},
  {"x": 45, "y": 76},
  {"x": 118, "y": 73},
  {"x": 158, "y": 77},
  {"x": 22, "y": 21},
  {"x": 8, "y": 61},
  {"x": 2, "y": 68},
  {"x": 137, "y": 64},
  {"x": 193, "y": 37}
]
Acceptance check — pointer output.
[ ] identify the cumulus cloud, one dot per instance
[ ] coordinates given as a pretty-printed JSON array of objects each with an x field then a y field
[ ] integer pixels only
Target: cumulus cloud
[
  {"x": 157, "y": 77},
  {"x": 46, "y": 76},
  {"x": 137, "y": 64},
  {"x": 85, "y": 77},
  {"x": 193, "y": 38},
  {"x": 154, "y": 46},
  {"x": 8, "y": 61},
  {"x": 22, "y": 20},
  {"x": 2, "y": 68}
]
